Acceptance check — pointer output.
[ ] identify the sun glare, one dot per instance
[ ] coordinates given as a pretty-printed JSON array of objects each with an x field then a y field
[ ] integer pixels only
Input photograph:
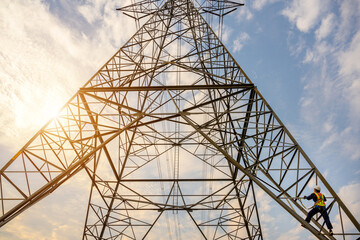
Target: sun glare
[
  {"x": 38, "y": 107},
  {"x": 51, "y": 110}
]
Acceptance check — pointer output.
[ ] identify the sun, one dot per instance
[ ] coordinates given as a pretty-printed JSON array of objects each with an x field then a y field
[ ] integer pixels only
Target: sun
[{"x": 37, "y": 106}]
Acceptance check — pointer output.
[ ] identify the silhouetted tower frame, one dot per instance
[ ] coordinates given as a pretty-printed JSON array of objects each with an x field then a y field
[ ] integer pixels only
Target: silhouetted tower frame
[{"x": 172, "y": 98}]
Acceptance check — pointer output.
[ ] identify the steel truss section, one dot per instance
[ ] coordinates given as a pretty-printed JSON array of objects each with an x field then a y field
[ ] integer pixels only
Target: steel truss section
[
  {"x": 173, "y": 135},
  {"x": 144, "y": 8}
]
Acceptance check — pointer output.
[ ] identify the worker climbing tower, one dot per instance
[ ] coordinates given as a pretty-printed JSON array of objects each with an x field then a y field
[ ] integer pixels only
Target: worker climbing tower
[{"x": 174, "y": 138}]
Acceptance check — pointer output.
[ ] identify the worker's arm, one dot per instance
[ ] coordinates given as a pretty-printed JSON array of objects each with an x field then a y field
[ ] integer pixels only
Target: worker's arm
[{"x": 311, "y": 196}]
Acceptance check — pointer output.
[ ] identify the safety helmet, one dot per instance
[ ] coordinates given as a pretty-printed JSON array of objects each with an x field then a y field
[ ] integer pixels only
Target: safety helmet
[{"x": 317, "y": 188}]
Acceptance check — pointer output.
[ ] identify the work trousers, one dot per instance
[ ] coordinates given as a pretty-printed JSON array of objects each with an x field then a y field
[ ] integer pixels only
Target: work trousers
[{"x": 322, "y": 210}]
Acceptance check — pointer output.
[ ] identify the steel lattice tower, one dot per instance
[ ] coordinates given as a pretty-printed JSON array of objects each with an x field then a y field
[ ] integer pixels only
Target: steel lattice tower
[{"x": 170, "y": 130}]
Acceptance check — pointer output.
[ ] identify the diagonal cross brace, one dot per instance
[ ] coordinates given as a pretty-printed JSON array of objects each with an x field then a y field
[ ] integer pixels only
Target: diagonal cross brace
[
  {"x": 254, "y": 178},
  {"x": 60, "y": 179}
]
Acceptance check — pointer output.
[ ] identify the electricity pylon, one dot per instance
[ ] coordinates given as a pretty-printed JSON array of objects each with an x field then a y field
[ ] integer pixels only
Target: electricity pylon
[{"x": 174, "y": 138}]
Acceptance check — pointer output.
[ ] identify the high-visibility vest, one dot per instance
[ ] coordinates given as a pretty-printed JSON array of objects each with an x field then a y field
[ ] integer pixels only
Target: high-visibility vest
[{"x": 320, "y": 199}]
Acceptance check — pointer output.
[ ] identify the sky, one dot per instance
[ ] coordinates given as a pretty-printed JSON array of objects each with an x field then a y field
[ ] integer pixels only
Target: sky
[{"x": 301, "y": 54}]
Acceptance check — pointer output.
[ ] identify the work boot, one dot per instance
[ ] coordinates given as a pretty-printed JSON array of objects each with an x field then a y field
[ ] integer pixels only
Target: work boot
[{"x": 331, "y": 232}]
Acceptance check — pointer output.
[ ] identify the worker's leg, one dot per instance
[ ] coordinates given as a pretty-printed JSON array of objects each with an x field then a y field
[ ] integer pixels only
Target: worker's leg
[
  {"x": 311, "y": 214},
  {"x": 327, "y": 220}
]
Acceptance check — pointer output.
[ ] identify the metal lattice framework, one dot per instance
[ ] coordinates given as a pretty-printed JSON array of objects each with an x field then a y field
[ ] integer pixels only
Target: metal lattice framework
[{"x": 170, "y": 132}]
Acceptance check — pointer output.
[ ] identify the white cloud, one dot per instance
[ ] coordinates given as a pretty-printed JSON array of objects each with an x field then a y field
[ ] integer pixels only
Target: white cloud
[
  {"x": 239, "y": 41},
  {"x": 348, "y": 62},
  {"x": 31, "y": 62},
  {"x": 326, "y": 26},
  {"x": 331, "y": 103},
  {"x": 295, "y": 43},
  {"x": 260, "y": 4},
  {"x": 318, "y": 53},
  {"x": 244, "y": 13},
  {"x": 348, "y": 58},
  {"x": 265, "y": 205},
  {"x": 292, "y": 234},
  {"x": 350, "y": 196},
  {"x": 45, "y": 58},
  {"x": 90, "y": 11},
  {"x": 349, "y": 143},
  {"x": 224, "y": 33},
  {"x": 264, "y": 201},
  {"x": 348, "y": 19},
  {"x": 304, "y": 14}
]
